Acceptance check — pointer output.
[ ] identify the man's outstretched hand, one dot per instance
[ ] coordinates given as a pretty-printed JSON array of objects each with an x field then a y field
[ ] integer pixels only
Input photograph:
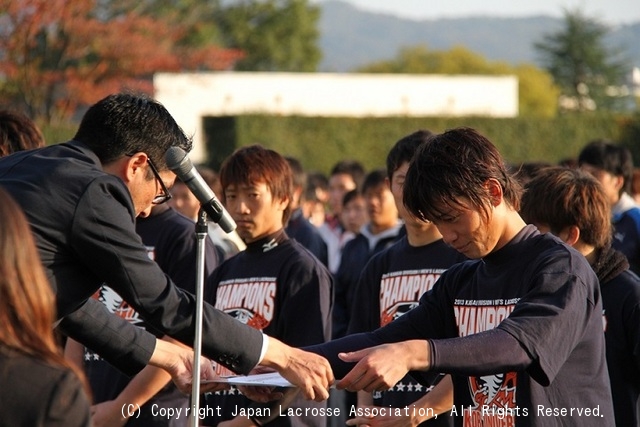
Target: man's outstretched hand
[
  {"x": 380, "y": 368},
  {"x": 177, "y": 360},
  {"x": 308, "y": 371}
]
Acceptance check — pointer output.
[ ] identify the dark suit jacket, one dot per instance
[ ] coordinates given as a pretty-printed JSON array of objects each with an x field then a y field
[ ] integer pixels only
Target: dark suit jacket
[
  {"x": 35, "y": 393},
  {"x": 83, "y": 221}
]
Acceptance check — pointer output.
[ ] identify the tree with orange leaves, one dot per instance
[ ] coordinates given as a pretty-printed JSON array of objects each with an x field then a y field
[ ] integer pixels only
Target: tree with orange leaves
[{"x": 57, "y": 55}]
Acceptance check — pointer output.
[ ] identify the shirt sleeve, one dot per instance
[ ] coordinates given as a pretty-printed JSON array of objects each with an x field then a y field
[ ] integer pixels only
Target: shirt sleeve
[
  {"x": 304, "y": 299},
  {"x": 475, "y": 354},
  {"x": 551, "y": 319}
]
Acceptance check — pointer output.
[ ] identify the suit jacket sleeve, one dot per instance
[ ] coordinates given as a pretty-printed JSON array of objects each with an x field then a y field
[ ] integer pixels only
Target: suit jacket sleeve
[
  {"x": 104, "y": 237},
  {"x": 125, "y": 346}
]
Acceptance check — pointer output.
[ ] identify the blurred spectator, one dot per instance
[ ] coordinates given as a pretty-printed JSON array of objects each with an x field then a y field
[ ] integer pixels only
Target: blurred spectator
[
  {"x": 382, "y": 230},
  {"x": 298, "y": 227},
  {"x": 612, "y": 165},
  {"x": 345, "y": 176},
  {"x": 635, "y": 185},
  {"x": 569, "y": 162},
  {"x": 185, "y": 202},
  {"x": 526, "y": 171},
  {"x": 17, "y": 133},
  {"x": 354, "y": 212},
  {"x": 39, "y": 387},
  {"x": 316, "y": 197}
]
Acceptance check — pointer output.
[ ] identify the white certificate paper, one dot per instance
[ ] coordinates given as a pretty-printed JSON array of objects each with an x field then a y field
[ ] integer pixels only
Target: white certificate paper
[{"x": 270, "y": 379}]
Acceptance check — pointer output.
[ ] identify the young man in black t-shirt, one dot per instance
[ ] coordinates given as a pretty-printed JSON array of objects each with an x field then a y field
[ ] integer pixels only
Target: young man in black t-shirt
[
  {"x": 518, "y": 326},
  {"x": 393, "y": 281},
  {"x": 612, "y": 165},
  {"x": 573, "y": 206},
  {"x": 275, "y": 285}
]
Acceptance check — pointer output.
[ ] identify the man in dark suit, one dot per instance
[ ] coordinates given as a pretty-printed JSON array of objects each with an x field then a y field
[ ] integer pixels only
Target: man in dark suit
[{"x": 81, "y": 199}]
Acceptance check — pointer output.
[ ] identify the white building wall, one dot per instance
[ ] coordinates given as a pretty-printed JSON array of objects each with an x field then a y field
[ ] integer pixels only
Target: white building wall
[{"x": 191, "y": 96}]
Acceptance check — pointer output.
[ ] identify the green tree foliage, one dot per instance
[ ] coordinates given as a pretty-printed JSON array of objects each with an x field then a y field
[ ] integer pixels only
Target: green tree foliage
[
  {"x": 584, "y": 69},
  {"x": 196, "y": 17},
  {"x": 537, "y": 93},
  {"x": 275, "y": 35}
]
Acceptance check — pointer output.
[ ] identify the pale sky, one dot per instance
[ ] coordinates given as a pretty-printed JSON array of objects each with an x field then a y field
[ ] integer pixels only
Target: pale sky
[{"x": 609, "y": 12}]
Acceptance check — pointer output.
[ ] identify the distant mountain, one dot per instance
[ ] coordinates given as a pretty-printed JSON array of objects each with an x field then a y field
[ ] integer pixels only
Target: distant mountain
[{"x": 351, "y": 37}]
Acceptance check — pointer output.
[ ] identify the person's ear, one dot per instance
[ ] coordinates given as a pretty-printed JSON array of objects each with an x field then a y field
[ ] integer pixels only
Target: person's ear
[
  {"x": 283, "y": 203},
  {"x": 495, "y": 191},
  {"x": 570, "y": 235},
  {"x": 618, "y": 182},
  {"x": 135, "y": 165},
  {"x": 297, "y": 193}
]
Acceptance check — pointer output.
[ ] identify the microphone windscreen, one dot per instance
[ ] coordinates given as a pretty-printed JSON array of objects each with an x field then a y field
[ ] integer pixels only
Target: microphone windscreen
[{"x": 175, "y": 158}]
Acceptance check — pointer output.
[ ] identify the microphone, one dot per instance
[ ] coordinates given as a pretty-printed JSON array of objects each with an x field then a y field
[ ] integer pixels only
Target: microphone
[{"x": 180, "y": 164}]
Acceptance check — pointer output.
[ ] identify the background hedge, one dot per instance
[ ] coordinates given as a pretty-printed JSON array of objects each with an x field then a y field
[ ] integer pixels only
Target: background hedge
[{"x": 319, "y": 142}]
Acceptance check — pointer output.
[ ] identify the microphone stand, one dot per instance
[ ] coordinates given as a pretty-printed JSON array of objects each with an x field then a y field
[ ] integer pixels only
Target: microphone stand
[{"x": 201, "y": 234}]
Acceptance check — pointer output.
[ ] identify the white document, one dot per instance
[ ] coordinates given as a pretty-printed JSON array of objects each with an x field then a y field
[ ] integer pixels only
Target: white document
[{"x": 270, "y": 379}]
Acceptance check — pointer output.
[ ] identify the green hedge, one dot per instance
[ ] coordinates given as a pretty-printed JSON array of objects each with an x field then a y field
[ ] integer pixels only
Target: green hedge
[{"x": 319, "y": 142}]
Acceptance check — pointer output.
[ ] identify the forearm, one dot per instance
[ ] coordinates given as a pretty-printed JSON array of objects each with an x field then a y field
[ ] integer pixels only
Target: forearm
[
  {"x": 439, "y": 399},
  {"x": 484, "y": 353},
  {"x": 74, "y": 352}
]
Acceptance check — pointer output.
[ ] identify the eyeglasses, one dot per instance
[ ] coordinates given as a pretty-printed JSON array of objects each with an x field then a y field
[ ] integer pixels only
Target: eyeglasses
[{"x": 166, "y": 195}]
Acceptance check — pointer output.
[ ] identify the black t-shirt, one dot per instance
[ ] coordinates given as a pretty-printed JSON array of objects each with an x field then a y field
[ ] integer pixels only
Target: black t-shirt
[
  {"x": 390, "y": 285},
  {"x": 621, "y": 305},
  {"x": 277, "y": 286},
  {"x": 547, "y": 297}
]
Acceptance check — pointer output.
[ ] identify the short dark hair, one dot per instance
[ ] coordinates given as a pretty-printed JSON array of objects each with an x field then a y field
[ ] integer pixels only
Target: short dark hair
[
  {"x": 350, "y": 195},
  {"x": 315, "y": 181},
  {"x": 299, "y": 175},
  {"x": 255, "y": 163},
  {"x": 17, "y": 133},
  {"x": 615, "y": 159},
  {"x": 526, "y": 171},
  {"x": 374, "y": 179},
  {"x": 559, "y": 197},
  {"x": 404, "y": 149},
  {"x": 452, "y": 166},
  {"x": 123, "y": 124},
  {"x": 350, "y": 167}
]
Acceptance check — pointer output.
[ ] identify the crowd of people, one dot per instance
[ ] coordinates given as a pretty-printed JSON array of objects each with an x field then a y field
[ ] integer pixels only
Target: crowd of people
[{"x": 449, "y": 285}]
